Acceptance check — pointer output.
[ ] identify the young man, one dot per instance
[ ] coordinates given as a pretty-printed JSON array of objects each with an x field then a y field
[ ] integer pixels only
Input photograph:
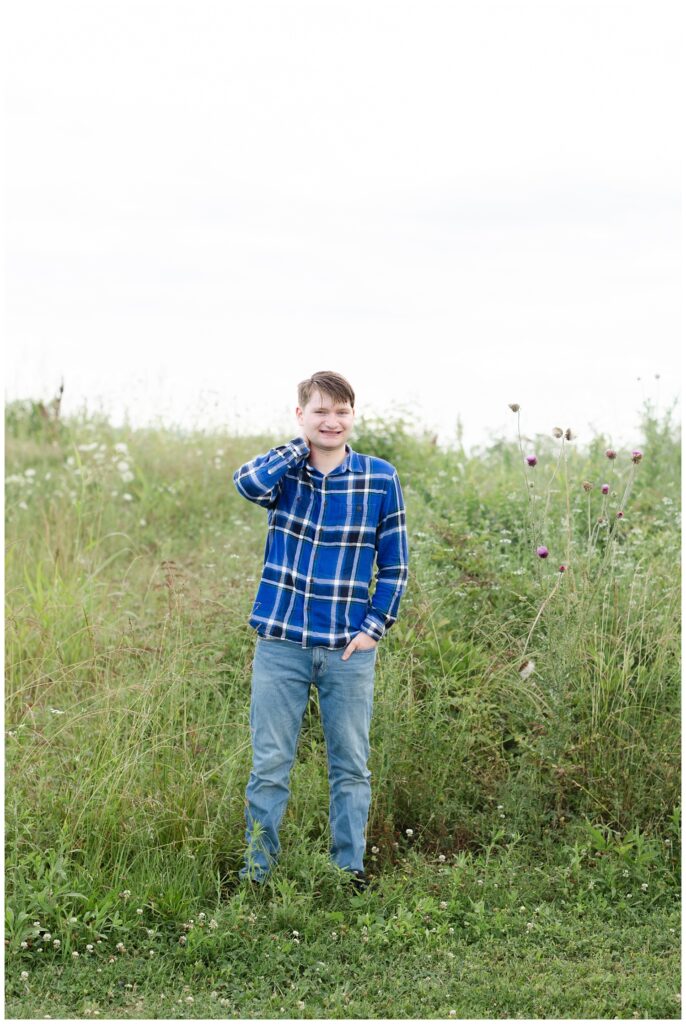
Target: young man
[{"x": 331, "y": 511}]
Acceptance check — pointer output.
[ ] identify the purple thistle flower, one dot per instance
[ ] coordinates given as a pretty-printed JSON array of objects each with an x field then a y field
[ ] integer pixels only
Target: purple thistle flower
[
  {"x": 532, "y": 460},
  {"x": 605, "y": 488},
  {"x": 636, "y": 455},
  {"x": 562, "y": 568},
  {"x": 542, "y": 551},
  {"x": 611, "y": 453},
  {"x": 620, "y": 514}
]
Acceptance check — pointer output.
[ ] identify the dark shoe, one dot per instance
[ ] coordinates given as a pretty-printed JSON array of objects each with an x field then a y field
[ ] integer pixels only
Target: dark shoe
[{"x": 359, "y": 880}]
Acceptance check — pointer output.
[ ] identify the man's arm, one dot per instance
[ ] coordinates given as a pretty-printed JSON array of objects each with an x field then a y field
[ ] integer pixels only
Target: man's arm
[
  {"x": 392, "y": 563},
  {"x": 261, "y": 479}
]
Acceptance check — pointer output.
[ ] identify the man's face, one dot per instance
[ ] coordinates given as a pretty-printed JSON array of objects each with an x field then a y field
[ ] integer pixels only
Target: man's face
[{"x": 326, "y": 424}]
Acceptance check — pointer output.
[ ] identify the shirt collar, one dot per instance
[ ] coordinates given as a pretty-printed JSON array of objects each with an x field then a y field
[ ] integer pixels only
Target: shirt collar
[{"x": 351, "y": 463}]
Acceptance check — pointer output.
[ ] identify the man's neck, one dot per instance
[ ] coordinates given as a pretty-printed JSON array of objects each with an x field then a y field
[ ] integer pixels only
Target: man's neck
[{"x": 326, "y": 461}]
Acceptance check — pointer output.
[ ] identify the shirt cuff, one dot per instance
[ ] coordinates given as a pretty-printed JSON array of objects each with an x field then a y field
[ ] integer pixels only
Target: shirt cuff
[
  {"x": 372, "y": 625},
  {"x": 299, "y": 447}
]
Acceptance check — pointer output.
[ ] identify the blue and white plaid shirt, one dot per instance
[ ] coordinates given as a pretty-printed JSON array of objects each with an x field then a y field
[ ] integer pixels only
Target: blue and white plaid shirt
[{"x": 323, "y": 534}]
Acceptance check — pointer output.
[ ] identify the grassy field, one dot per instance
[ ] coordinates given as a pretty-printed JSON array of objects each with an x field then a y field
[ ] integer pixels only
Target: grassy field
[{"x": 524, "y": 833}]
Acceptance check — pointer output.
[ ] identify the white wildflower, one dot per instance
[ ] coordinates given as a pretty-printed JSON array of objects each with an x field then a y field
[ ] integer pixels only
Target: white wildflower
[{"x": 526, "y": 668}]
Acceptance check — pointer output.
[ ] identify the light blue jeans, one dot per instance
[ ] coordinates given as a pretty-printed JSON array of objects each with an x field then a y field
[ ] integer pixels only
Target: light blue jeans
[{"x": 281, "y": 678}]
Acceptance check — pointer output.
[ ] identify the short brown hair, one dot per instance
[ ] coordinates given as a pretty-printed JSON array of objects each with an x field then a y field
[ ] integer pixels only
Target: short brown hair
[{"x": 328, "y": 383}]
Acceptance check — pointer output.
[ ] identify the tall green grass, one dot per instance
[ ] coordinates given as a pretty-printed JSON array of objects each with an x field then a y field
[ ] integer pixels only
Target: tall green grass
[{"x": 509, "y": 691}]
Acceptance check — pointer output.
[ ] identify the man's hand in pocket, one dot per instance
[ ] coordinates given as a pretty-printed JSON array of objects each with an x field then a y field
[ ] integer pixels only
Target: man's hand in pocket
[{"x": 360, "y": 642}]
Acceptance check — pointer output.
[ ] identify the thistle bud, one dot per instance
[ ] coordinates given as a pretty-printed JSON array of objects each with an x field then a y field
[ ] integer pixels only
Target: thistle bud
[
  {"x": 569, "y": 435},
  {"x": 611, "y": 453},
  {"x": 558, "y": 431},
  {"x": 620, "y": 514},
  {"x": 587, "y": 485},
  {"x": 636, "y": 455},
  {"x": 514, "y": 407}
]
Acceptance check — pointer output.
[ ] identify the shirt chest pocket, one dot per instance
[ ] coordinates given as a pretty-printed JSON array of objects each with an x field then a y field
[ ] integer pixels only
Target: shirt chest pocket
[{"x": 344, "y": 509}]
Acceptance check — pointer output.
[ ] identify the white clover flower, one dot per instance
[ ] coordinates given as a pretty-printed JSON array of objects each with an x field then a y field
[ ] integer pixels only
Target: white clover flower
[
  {"x": 122, "y": 466},
  {"x": 22, "y": 504},
  {"x": 441, "y": 858},
  {"x": 127, "y": 497},
  {"x": 29, "y": 472},
  {"x": 127, "y": 477},
  {"x": 526, "y": 668},
  {"x": 24, "y": 975},
  {"x": 409, "y": 832},
  {"x": 121, "y": 446}
]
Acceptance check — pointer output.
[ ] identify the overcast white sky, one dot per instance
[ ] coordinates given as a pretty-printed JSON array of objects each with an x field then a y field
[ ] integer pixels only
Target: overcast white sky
[{"x": 455, "y": 205}]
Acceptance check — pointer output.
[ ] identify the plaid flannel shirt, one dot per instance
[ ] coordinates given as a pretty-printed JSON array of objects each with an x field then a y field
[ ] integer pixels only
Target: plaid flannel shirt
[{"x": 324, "y": 532}]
